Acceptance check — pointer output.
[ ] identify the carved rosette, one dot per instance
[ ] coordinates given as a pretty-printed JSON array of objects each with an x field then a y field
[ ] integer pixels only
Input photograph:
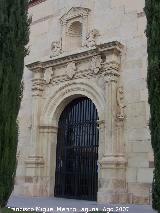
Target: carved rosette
[
  {"x": 48, "y": 75},
  {"x": 71, "y": 69}
]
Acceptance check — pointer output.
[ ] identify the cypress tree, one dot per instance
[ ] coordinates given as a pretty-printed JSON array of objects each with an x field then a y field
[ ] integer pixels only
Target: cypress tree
[
  {"x": 152, "y": 10},
  {"x": 14, "y": 35}
]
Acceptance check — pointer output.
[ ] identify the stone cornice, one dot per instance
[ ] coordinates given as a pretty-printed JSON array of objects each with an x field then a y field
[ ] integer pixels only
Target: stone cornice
[
  {"x": 74, "y": 12},
  {"x": 110, "y": 48}
]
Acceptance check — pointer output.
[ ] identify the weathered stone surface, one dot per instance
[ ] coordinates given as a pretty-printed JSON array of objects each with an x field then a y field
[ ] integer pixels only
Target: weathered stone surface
[{"x": 89, "y": 64}]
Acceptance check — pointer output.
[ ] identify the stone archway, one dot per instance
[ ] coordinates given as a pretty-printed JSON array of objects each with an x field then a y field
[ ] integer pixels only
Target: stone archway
[
  {"x": 94, "y": 74},
  {"x": 50, "y": 117},
  {"x": 76, "y": 174}
]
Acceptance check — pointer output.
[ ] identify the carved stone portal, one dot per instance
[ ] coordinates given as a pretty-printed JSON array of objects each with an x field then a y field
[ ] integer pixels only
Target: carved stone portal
[{"x": 75, "y": 76}]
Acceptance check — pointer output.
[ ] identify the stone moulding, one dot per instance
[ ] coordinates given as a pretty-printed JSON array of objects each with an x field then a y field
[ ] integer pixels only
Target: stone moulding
[
  {"x": 73, "y": 13},
  {"x": 34, "y": 162},
  {"x": 110, "y": 48}
]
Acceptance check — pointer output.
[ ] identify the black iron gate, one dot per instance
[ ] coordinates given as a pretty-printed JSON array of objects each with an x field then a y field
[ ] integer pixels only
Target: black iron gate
[{"x": 77, "y": 151}]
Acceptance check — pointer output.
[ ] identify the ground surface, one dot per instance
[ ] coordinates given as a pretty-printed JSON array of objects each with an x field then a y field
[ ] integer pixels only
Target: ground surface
[{"x": 58, "y": 205}]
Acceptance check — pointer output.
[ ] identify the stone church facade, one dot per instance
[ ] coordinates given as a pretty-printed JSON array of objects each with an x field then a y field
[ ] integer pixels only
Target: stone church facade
[{"x": 93, "y": 49}]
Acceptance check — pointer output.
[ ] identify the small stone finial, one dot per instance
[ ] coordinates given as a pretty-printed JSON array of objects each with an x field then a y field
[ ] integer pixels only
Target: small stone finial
[
  {"x": 48, "y": 75},
  {"x": 71, "y": 69},
  {"x": 96, "y": 63},
  {"x": 56, "y": 49},
  {"x": 91, "y": 38}
]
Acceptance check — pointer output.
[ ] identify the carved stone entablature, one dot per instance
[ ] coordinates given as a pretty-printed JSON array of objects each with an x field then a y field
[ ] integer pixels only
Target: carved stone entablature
[
  {"x": 91, "y": 38},
  {"x": 48, "y": 75},
  {"x": 34, "y": 162},
  {"x": 35, "y": 67},
  {"x": 103, "y": 60},
  {"x": 71, "y": 69},
  {"x": 56, "y": 49},
  {"x": 73, "y": 13},
  {"x": 120, "y": 103}
]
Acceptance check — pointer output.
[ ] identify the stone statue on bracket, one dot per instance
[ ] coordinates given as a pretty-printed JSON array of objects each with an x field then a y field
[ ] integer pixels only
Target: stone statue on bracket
[
  {"x": 96, "y": 63},
  {"x": 48, "y": 75},
  {"x": 91, "y": 38},
  {"x": 71, "y": 69},
  {"x": 120, "y": 103},
  {"x": 56, "y": 49}
]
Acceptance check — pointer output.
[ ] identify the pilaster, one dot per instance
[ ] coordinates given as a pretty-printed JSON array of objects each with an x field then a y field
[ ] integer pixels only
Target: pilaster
[
  {"x": 35, "y": 162},
  {"x": 113, "y": 187}
]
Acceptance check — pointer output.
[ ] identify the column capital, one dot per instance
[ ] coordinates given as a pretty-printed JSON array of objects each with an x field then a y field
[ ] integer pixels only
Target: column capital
[
  {"x": 38, "y": 78},
  {"x": 111, "y": 76}
]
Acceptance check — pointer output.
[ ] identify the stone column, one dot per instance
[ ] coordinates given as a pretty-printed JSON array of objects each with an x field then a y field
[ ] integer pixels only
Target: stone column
[
  {"x": 35, "y": 161},
  {"x": 113, "y": 187}
]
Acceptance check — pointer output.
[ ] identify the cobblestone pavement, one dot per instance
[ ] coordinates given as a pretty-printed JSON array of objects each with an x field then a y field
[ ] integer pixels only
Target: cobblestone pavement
[{"x": 60, "y": 205}]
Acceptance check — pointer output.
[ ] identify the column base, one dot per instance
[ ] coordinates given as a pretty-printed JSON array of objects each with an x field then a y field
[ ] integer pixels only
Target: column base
[
  {"x": 114, "y": 198},
  {"x": 37, "y": 186}
]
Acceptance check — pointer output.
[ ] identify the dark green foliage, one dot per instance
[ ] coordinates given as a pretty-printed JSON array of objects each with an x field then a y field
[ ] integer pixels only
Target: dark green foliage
[
  {"x": 152, "y": 10},
  {"x": 14, "y": 33}
]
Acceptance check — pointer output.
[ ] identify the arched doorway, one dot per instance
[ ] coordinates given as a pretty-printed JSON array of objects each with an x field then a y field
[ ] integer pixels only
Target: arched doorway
[{"x": 76, "y": 173}]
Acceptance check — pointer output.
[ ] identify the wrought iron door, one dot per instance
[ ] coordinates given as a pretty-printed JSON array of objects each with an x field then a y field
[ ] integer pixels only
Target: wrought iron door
[{"x": 77, "y": 151}]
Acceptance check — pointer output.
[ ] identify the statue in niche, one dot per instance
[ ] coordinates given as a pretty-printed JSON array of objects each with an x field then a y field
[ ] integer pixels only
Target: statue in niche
[
  {"x": 91, "y": 38},
  {"x": 96, "y": 63},
  {"x": 71, "y": 69},
  {"x": 120, "y": 103},
  {"x": 48, "y": 75},
  {"x": 56, "y": 49}
]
